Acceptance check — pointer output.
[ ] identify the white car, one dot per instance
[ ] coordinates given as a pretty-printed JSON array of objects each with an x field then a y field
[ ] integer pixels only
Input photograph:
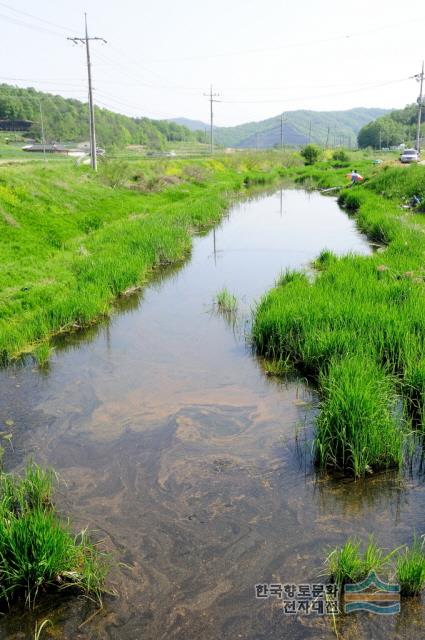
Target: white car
[{"x": 409, "y": 155}]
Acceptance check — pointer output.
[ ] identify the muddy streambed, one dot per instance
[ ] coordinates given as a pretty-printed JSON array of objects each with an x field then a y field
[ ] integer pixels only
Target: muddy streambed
[{"x": 188, "y": 461}]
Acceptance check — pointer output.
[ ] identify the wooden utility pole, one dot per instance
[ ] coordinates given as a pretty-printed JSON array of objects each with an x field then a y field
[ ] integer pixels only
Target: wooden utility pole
[
  {"x": 281, "y": 131},
  {"x": 43, "y": 137},
  {"x": 211, "y": 97},
  {"x": 86, "y": 40},
  {"x": 420, "y": 78},
  {"x": 327, "y": 138}
]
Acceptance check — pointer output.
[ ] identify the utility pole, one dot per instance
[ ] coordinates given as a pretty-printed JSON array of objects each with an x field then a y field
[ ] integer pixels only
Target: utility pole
[
  {"x": 327, "y": 138},
  {"x": 86, "y": 41},
  {"x": 211, "y": 97},
  {"x": 256, "y": 140},
  {"x": 380, "y": 139},
  {"x": 309, "y": 133},
  {"x": 420, "y": 78},
  {"x": 281, "y": 131},
  {"x": 43, "y": 137}
]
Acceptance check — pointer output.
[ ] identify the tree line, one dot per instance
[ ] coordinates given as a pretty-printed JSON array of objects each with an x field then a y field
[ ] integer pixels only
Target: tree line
[
  {"x": 390, "y": 130},
  {"x": 66, "y": 119}
]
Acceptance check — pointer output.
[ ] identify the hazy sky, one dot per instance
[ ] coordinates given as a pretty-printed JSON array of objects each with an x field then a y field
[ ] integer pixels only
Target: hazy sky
[{"x": 263, "y": 57}]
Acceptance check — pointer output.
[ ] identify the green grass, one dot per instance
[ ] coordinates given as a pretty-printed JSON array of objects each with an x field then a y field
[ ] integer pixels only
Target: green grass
[
  {"x": 37, "y": 550},
  {"x": 226, "y": 302},
  {"x": 350, "y": 564},
  {"x": 410, "y": 569},
  {"x": 356, "y": 429},
  {"x": 276, "y": 367},
  {"x": 405, "y": 565},
  {"x": 364, "y": 317},
  {"x": 72, "y": 241}
]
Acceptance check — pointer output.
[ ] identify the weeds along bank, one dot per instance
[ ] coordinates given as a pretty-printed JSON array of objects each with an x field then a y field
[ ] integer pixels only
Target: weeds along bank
[
  {"x": 71, "y": 241},
  {"x": 358, "y": 329}
]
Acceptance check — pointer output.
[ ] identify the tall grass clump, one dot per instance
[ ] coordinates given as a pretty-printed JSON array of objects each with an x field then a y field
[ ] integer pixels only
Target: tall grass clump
[
  {"x": 405, "y": 565},
  {"x": 349, "y": 564},
  {"x": 410, "y": 569},
  {"x": 226, "y": 301},
  {"x": 38, "y": 552},
  {"x": 356, "y": 430},
  {"x": 414, "y": 391}
]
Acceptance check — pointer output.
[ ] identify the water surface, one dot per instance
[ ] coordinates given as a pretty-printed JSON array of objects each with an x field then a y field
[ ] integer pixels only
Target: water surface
[{"x": 189, "y": 462}]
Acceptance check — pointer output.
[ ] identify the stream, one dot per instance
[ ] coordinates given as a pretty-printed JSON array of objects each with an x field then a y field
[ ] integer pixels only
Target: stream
[{"x": 190, "y": 463}]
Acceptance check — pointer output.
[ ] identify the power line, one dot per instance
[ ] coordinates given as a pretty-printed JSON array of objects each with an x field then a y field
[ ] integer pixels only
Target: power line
[
  {"x": 21, "y": 23},
  {"x": 29, "y": 15},
  {"x": 45, "y": 80},
  {"x": 327, "y": 95},
  {"x": 132, "y": 107},
  {"x": 305, "y": 43}
]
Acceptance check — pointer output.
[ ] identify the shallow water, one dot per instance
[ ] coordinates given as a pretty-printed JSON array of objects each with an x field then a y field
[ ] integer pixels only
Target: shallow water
[{"x": 189, "y": 462}]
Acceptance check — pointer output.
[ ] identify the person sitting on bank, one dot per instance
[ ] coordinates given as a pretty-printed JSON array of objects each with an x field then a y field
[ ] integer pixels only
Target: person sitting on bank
[{"x": 354, "y": 177}]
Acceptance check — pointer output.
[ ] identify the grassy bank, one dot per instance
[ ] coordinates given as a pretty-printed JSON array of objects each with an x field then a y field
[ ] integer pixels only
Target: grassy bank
[
  {"x": 72, "y": 241},
  {"x": 359, "y": 328}
]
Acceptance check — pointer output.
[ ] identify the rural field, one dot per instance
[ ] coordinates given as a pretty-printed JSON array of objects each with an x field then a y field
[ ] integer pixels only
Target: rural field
[{"x": 211, "y": 368}]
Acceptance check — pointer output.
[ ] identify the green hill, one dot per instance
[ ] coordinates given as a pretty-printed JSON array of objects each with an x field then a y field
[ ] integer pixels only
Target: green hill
[
  {"x": 67, "y": 119},
  {"x": 343, "y": 125},
  {"x": 340, "y": 127},
  {"x": 394, "y": 128}
]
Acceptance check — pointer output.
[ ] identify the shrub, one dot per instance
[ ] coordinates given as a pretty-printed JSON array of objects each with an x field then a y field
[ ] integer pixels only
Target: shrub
[
  {"x": 310, "y": 153},
  {"x": 114, "y": 173},
  {"x": 340, "y": 156}
]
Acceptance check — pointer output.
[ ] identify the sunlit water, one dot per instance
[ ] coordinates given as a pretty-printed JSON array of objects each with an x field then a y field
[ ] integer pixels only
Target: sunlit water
[{"x": 189, "y": 462}]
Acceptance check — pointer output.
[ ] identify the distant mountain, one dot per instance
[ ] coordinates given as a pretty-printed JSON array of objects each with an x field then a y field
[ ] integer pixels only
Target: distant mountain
[
  {"x": 339, "y": 127},
  {"x": 193, "y": 125}
]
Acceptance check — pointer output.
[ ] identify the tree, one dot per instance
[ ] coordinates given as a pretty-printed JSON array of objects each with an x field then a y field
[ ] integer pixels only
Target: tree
[
  {"x": 383, "y": 132},
  {"x": 310, "y": 153}
]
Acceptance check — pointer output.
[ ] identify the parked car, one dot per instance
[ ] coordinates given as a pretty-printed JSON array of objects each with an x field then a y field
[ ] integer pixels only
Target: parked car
[{"x": 409, "y": 155}]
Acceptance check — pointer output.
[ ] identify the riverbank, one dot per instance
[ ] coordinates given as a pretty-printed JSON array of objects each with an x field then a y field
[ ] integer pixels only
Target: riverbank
[
  {"x": 358, "y": 329},
  {"x": 73, "y": 241}
]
